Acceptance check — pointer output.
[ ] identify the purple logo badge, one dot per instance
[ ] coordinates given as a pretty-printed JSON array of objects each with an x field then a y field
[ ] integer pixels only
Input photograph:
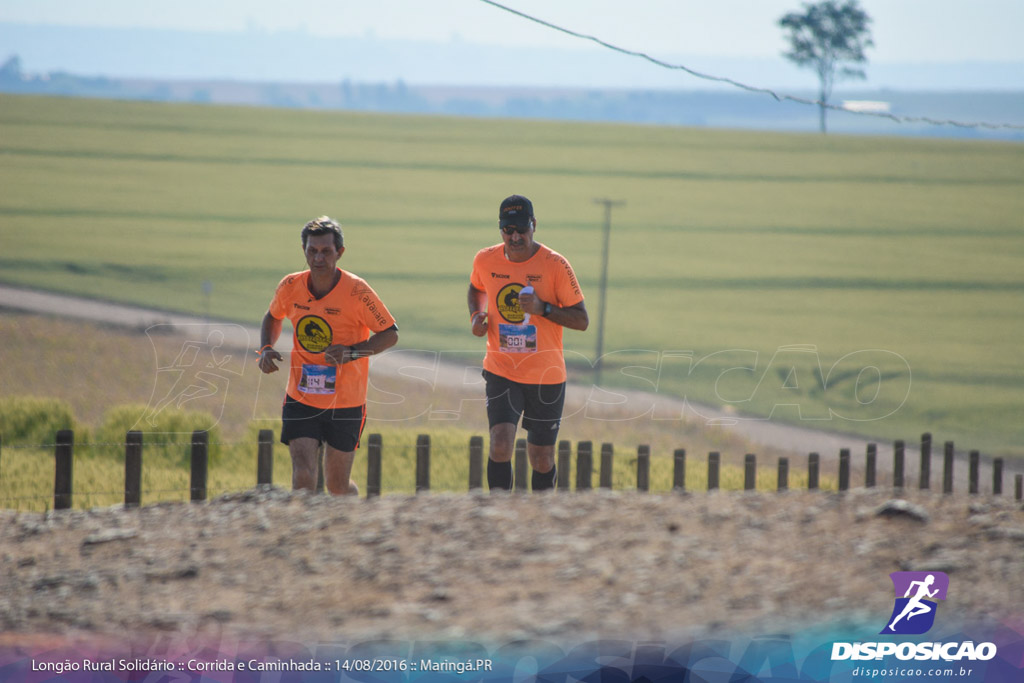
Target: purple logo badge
[{"x": 916, "y": 596}]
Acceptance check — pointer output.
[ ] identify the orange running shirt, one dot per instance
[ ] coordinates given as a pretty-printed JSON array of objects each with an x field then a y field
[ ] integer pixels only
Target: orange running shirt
[
  {"x": 526, "y": 353},
  {"x": 345, "y": 315}
]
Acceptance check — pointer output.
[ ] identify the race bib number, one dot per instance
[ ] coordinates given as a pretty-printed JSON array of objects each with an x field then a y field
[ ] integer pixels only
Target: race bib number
[
  {"x": 517, "y": 338},
  {"x": 318, "y": 379}
]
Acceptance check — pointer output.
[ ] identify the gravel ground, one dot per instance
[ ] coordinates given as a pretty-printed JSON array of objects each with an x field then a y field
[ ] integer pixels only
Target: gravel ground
[{"x": 572, "y": 566}]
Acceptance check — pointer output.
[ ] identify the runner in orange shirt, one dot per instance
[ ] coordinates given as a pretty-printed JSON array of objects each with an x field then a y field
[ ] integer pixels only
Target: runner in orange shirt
[
  {"x": 338, "y": 321},
  {"x": 531, "y": 293}
]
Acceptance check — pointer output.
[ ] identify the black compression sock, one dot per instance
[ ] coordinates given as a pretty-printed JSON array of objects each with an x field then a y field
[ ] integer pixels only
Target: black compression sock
[
  {"x": 543, "y": 481},
  {"x": 499, "y": 475}
]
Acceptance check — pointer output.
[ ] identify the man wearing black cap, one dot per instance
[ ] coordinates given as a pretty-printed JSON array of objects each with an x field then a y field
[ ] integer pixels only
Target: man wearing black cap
[{"x": 521, "y": 295}]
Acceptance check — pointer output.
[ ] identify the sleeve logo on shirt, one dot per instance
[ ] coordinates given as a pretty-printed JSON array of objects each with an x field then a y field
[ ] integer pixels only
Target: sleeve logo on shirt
[
  {"x": 508, "y": 303},
  {"x": 313, "y": 333},
  {"x": 371, "y": 306}
]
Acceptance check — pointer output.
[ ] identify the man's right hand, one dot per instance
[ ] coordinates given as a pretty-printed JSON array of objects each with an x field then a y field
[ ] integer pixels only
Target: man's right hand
[
  {"x": 480, "y": 324},
  {"x": 267, "y": 358}
]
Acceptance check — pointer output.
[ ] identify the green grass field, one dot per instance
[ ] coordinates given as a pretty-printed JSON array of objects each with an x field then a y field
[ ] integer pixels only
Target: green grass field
[{"x": 889, "y": 272}]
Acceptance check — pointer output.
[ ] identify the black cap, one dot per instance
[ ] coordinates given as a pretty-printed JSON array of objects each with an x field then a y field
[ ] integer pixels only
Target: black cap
[{"x": 515, "y": 210}]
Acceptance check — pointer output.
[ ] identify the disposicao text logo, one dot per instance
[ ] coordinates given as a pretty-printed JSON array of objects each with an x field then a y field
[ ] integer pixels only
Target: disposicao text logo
[
  {"x": 913, "y": 613},
  {"x": 916, "y": 596}
]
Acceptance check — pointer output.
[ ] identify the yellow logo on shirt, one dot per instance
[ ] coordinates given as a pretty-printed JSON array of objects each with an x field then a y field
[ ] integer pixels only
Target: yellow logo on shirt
[
  {"x": 313, "y": 333},
  {"x": 508, "y": 303}
]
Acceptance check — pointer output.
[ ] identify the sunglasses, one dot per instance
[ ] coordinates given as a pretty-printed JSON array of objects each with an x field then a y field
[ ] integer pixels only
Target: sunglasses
[{"x": 521, "y": 229}]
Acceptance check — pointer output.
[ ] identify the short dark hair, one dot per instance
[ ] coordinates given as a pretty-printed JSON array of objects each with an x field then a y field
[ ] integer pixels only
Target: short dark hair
[{"x": 324, "y": 226}]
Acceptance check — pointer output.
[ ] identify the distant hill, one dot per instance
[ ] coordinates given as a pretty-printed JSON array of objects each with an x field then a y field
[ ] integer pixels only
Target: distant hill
[
  {"x": 298, "y": 56},
  {"x": 294, "y": 69},
  {"x": 656, "y": 107}
]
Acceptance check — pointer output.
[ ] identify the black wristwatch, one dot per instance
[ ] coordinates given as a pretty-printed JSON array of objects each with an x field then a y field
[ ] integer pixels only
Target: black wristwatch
[{"x": 547, "y": 309}]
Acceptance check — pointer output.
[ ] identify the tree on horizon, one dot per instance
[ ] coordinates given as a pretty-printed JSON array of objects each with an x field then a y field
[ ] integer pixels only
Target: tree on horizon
[{"x": 825, "y": 35}]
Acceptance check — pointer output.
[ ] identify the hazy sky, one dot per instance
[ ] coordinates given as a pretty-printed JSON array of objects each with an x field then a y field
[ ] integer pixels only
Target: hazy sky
[{"x": 904, "y": 30}]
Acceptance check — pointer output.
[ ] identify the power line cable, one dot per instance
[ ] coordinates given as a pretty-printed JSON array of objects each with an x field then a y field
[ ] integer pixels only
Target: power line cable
[{"x": 780, "y": 97}]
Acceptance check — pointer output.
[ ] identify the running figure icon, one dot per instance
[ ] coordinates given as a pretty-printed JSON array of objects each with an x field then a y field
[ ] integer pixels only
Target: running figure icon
[
  {"x": 915, "y": 607},
  {"x": 920, "y": 592}
]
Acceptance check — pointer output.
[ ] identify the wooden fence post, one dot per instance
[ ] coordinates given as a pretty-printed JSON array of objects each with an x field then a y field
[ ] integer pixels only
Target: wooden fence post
[
  {"x": 584, "y": 465},
  {"x": 844, "y": 469},
  {"x": 749, "y": 472},
  {"x": 64, "y": 459},
  {"x": 521, "y": 480},
  {"x": 813, "y": 471},
  {"x": 320, "y": 482},
  {"x": 133, "y": 469},
  {"x": 947, "y": 468},
  {"x": 997, "y": 477},
  {"x": 871, "y": 463},
  {"x": 564, "y": 463},
  {"x": 374, "y": 465},
  {"x": 898, "y": 463},
  {"x": 714, "y": 461},
  {"x": 476, "y": 462},
  {"x": 422, "y": 463},
  {"x": 1019, "y": 486},
  {"x": 783, "y": 484},
  {"x": 643, "y": 468},
  {"x": 265, "y": 458},
  {"x": 200, "y": 465},
  {"x": 679, "y": 470},
  {"x": 924, "y": 481},
  {"x": 607, "y": 462},
  {"x": 975, "y": 474}
]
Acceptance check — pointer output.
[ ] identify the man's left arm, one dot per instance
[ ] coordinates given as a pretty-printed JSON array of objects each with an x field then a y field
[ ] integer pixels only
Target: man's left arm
[
  {"x": 374, "y": 316},
  {"x": 378, "y": 342},
  {"x": 566, "y": 288},
  {"x": 574, "y": 317}
]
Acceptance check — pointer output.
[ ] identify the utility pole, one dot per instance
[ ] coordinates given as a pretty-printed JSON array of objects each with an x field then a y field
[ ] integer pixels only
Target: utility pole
[
  {"x": 608, "y": 204},
  {"x": 207, "y": 290}
]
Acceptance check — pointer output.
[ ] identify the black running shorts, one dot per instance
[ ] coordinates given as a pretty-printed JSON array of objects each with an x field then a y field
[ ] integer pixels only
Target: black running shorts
[
  {"x": 539, "y": 406},
  {"x": 341, "y": 428}
]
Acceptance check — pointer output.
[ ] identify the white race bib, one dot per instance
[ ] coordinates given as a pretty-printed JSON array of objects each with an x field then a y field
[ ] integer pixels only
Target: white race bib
[
  {"x": 318, "y": 379},
  {"x": 517, "y": 338}
]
